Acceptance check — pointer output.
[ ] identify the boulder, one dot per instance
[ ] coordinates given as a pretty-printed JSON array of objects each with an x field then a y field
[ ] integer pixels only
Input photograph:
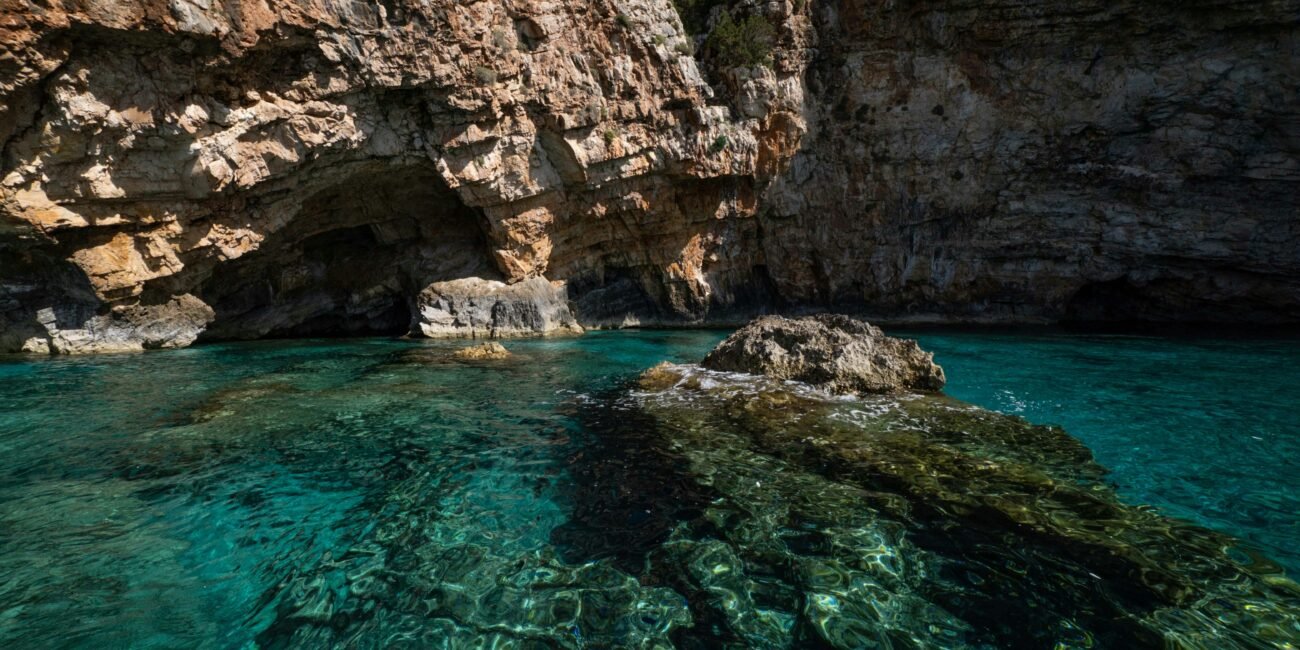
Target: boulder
[
  {"x": 480, "y": 308},
  {"x": 835, "y": 352},
  {"x": 77, "y": 329}
]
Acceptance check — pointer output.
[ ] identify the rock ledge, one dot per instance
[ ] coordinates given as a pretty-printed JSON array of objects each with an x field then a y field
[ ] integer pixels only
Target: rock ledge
[{"x": 835, "y": 352}]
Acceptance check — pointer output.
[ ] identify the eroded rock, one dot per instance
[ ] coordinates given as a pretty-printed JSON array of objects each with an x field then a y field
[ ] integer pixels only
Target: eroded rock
[
  {"x": 839, "y": 353},
  {"x": 478, "y": 308},
  {"x": 301, "y": 172},
  {"x": 294, "y": 167},
  {"x": 129, "y": 328}
]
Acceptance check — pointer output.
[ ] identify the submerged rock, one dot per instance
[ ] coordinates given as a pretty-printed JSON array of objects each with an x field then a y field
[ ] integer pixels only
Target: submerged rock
[
  {"x": 921, "y": 517},
  {"x": 832, "y": 351},
  {"x": 483, "y": 352}
]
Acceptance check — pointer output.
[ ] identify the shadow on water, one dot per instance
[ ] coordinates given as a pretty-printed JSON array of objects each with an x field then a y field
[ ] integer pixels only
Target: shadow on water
[
  {"x": 628, "y": 492},
  {"x": 628, "y": 489}
]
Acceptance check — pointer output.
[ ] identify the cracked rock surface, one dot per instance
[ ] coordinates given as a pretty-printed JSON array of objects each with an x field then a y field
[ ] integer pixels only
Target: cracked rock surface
[{"x": 838, "y": 353}]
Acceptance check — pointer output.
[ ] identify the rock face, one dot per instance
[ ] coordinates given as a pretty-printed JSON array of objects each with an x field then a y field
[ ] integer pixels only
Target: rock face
[
  {"x": 477, "y": 308},
  {"x": 312, "y": 167},
  {"x": 1043, "y": 161},
  {"x": 831, "y": 351},
  {"x": 127, "y": 328}
]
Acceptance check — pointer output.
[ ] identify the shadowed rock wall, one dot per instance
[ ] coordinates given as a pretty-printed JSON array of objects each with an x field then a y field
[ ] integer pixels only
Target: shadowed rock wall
[{"x": 1033, "y": 161}]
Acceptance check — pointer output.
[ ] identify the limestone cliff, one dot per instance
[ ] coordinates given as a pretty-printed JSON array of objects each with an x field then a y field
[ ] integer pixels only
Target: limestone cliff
[
  {"x": 226, "y": 168},
  {"x": 1038, "y": 161}
]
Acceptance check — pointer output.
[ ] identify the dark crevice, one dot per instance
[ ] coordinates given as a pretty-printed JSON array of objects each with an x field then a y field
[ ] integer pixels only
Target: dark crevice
[{"x": 629, "y": 488}]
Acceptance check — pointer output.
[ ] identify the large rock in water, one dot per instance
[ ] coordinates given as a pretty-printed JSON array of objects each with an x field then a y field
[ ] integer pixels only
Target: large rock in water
[
  {"x": 478, "y": 308},
  {"x": 836, "y": 352}
]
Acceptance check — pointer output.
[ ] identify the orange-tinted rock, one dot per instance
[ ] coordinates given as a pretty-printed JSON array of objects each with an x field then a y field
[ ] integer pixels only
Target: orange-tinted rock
[{"x": 305, "y": 167}]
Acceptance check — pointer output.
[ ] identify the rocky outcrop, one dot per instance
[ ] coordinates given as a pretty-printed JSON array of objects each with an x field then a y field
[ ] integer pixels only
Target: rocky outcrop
[
  {"x": 127, "y": 328},
  {"x": 831, "y": 351},
  {"x": 311, "y": 167},
  {"x": 477, "y": 308}
]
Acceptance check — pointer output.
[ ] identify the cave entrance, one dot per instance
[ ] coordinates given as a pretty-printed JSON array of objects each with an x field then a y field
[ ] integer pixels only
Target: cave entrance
[{"x": 351, "y": 260}]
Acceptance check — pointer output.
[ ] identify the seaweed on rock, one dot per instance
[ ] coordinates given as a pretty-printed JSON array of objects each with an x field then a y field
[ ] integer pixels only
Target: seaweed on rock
[{"x": 921, "y": 520}]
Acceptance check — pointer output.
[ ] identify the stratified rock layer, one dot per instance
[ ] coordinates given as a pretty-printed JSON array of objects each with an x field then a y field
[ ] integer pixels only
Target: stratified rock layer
[
  {"x": 478, "y": 308},
  {"x": 311, "y": 167},
  {"x": 831, "y": 351}
]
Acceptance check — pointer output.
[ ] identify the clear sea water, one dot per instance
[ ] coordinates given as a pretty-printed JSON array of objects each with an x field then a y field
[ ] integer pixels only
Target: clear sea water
[
  {"x": 374, "y": 493},
  {"x": 1207, "y": 429}
]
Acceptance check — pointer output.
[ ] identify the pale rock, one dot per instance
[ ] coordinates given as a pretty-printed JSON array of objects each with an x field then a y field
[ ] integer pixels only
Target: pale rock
[{"x": 478, "y": 308}]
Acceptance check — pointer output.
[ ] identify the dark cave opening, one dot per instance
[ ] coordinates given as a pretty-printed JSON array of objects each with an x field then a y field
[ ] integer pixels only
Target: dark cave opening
[
  {"x": 1102, "y": 302},
  {"x": 339, "y": 267},
  {"x": 1203, "y": 300},
  {"x": 351, "y": 261}
]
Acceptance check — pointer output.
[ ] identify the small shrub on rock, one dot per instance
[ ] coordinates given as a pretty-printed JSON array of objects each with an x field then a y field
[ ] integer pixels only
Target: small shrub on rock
[
  {"x": 747, "y": 42},
  {"x": 485, "y": 75}
]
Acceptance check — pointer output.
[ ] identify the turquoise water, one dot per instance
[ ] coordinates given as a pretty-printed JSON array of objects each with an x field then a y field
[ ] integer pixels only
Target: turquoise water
[
  {"x": 1206, "y": 429},
  {"x": 374, "y": 493}
]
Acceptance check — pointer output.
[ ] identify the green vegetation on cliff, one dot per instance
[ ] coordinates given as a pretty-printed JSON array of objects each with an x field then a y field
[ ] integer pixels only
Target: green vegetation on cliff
[
  {"x": 731, "y": 42},
  {"x": 746, "y": 42}
]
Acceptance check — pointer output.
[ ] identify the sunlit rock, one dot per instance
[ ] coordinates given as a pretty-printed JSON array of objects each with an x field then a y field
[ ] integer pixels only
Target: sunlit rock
[
  {"x": 836, "y": 352},
  {"x": 294, "y": 166}
]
